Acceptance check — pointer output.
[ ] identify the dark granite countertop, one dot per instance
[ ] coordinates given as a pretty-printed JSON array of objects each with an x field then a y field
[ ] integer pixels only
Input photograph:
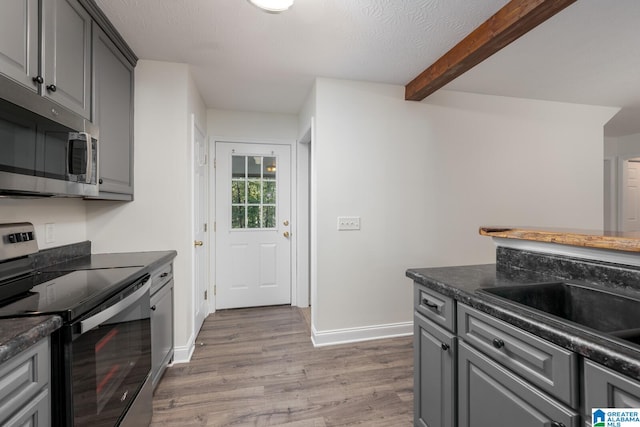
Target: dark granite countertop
[
  {"x": 148, "y": 261},
  {"x": 462, "y": 284},
  {"x": 16, "y": 335}
]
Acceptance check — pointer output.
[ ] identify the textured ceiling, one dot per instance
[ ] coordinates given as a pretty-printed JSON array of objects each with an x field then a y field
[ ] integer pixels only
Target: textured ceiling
[
  {"x": 245, "y": 59},
  {"x": 587, "y": 54}
]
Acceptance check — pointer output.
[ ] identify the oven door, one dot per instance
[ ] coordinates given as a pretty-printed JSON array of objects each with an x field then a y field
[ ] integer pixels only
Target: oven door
[{"x": 110, "y": 358}]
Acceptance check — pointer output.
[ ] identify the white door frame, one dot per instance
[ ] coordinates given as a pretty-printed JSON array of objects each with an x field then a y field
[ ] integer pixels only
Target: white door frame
[
  {"x": 295, "y": 292},
  {"x": 195, "y": 291},
  {"x": 611, "y": 194},
  {"x": 620, "y": 186}
]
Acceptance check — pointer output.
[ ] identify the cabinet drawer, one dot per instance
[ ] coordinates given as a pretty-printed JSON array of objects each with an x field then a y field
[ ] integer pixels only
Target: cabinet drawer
[
  {"x": 548, "y": 366},
  {"x": 604, "y": 388},
  {"x": 435, "y": 307},
  {"x": 22, "y": 378},
  {"x": 36, "y": 412},
  {"x": 160, "y": 276}
]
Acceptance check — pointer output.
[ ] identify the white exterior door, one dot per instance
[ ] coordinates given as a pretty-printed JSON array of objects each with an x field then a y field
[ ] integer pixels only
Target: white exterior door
[
  {"x": 631, "y": 196},
  {"x": 253, "y": 214},
  {"x": 201, "y": 213}
]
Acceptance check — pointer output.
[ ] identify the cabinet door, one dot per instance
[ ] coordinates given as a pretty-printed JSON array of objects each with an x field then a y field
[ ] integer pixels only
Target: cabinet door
[
  {"x": 113, "y": 113},
  {"x": 604, "y": 388},
  {"x": 66, "y": 55},
  {"x": 19, "y": 41},
  {"x": 161, "y": 331},
  {"x": 491, "y": 395},
  {"x": 434, "y": 374}
]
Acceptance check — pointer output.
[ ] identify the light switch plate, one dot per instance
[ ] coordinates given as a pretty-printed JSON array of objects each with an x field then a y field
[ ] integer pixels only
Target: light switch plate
[{"x": 348, "y": 223}]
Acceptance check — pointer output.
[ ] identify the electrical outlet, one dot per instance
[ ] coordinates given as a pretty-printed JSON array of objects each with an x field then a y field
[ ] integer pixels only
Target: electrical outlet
[
  {"x": 348, "y": 223},
  {"x": 50, "y": 233}
]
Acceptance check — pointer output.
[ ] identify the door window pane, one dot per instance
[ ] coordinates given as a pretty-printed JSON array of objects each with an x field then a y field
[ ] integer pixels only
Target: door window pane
[
  {"x": 237, "y": 217},
  {"x": 238, "y": 191},
  {"x": 253, "y": 217},
  {"x": 255, "y": 195},
  {"x": 269, "y": 216},
  {"x": 254, "y": 165},
  {"x": 269, "y": 167},
  {"x": 253, "y": 192},
  {"x": 269, "y": 192},
  {"x": 238, "y": 166}
]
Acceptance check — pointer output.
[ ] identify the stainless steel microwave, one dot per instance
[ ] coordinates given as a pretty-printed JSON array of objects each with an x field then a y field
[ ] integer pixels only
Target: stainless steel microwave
[{"x": 40, "y": 157}]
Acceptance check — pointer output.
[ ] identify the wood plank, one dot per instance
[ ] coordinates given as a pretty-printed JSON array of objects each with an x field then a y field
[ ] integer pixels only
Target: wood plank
[
  {"x": 515, "y": 19},
  {"x": 258, "y": 367},
  {"x": 618, "y": 241}
]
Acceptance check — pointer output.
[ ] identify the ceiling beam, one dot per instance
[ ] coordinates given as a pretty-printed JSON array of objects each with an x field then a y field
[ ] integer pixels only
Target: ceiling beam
[{"x": 515, "y": 19}]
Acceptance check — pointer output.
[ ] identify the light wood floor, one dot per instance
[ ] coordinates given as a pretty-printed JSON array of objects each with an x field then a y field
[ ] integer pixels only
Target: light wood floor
[{"x": 257, "y": 367}]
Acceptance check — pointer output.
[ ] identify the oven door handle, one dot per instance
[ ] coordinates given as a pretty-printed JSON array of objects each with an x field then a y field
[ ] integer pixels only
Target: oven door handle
[{"x": 99, "y": 318}]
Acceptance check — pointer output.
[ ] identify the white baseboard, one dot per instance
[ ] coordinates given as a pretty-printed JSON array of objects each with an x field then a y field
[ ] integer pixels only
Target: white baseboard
[
  {"x": 350, "y": 335},
  {"x": 182, "y": 354}
]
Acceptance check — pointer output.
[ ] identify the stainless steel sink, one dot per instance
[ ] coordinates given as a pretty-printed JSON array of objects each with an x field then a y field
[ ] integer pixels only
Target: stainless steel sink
[{"x": 598, "y": 309}]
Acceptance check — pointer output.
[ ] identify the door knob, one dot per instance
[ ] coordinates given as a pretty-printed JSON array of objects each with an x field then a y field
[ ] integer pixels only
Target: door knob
[
  {"x": 198, "y": 243},
  {"x": 285, "y": 234},
  {"x": 285, "y": 223}
]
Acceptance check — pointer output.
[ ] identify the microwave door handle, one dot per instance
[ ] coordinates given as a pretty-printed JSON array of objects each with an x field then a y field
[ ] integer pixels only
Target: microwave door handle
[
  {"x": 99, "y": 318},
  {"x": 89, "y": 161}
]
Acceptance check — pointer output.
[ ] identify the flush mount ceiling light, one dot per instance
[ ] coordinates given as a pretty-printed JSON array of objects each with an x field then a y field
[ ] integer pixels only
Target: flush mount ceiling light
[{"x": 272, "y": 6}]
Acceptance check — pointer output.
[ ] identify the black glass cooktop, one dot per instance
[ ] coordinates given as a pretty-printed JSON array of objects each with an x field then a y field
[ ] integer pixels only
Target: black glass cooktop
[{"x": 73, "y": 294}]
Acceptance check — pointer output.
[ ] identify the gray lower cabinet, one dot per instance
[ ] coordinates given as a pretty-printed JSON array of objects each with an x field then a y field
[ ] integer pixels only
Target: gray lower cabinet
[
  {"x": 434, "y": 374},
  {"x": 24, "y": 387},
  {"x": 491, "y": 395},
  {"x": 161, "y": 321},
  {"x": 604, "y": 388},
  {"x": 113, "y": 113}
]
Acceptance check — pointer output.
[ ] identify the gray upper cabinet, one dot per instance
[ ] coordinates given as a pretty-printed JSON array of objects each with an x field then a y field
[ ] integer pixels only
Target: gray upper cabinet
[
  {"x": 51, "y": 58},
  {"x": 19, "y": 58},
  {"x": 113, "y": 80},
  {"x": 66, "y": 53}
]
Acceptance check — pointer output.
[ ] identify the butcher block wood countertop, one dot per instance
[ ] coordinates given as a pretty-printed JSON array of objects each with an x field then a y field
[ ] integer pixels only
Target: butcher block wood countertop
[{"x": 618, "y": 241}]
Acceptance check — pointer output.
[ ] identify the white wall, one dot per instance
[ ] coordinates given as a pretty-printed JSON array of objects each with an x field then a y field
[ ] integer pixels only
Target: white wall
[
  {"x": 249, "y": 126},
  {"x": 424, "y": 176},
  {"x": 160, "y": 216},
  {"x": 68, "y": 216},
  {"x": 624, "y": 146}
]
